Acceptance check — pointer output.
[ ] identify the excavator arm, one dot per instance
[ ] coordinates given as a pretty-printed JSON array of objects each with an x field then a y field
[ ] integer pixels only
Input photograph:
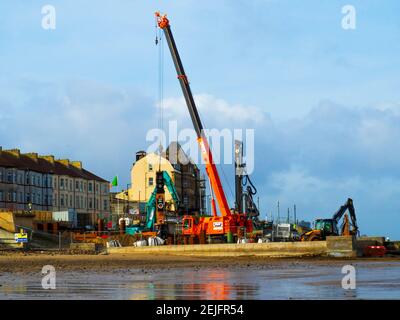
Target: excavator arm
[
  {"x": 350, "y": 207},
  {"x": 151, "y": 210},
  {"x": 171, "y": 188},
  {"x": 211, "y": 169}
]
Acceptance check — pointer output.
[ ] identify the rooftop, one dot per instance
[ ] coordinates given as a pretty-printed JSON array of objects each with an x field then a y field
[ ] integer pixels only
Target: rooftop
[{"x": 45, "y": 164}]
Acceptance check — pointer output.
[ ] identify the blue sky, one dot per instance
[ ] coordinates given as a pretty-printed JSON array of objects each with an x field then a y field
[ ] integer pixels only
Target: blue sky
[{"x": 328, "y": 98}]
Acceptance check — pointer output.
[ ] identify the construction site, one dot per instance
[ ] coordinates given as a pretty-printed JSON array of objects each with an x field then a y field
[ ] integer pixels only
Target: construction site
[
  {"x": 157, "y": 231},
  {"x": 229, "y": 230}
]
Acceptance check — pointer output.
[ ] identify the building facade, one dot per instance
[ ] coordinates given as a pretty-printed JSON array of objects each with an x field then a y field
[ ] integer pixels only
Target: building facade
[
  {"x": 44, "y": 183},
  {"x": 188, "y": 182}
]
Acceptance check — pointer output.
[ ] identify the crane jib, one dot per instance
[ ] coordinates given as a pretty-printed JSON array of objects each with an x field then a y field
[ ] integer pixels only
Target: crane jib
[
  {"x": 211, "y": 169},
  {"x": 187, "y": 93}
]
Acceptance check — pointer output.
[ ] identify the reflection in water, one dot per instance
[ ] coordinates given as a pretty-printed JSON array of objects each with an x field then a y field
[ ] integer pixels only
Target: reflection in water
[
  {"x": 291, "y": 282},
  {"x": 210, "y": 285}
]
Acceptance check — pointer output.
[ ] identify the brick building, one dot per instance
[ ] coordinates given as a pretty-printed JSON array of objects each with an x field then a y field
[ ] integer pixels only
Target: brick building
[{"x": 51, "y": 185}]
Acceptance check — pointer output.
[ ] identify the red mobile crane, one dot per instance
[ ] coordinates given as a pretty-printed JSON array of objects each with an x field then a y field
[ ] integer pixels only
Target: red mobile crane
[{"x": 228, "y": 223}]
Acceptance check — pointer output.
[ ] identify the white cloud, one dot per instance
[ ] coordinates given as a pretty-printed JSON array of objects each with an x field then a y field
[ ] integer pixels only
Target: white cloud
[{"x": 216, "y": 110}]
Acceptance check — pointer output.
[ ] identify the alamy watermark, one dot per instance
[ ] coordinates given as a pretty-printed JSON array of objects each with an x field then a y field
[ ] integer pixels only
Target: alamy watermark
[
  {"x": 221, "y": 144},
  {"x": 349, "y": 280},
  {"x": 349, "y": 18},
  {"x": 49, "y": 279},
  {"x": 49, "y": 17}
]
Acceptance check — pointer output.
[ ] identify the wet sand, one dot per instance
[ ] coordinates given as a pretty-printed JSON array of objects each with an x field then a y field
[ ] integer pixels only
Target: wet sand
[
  {"x": 147, "y": 277},
  {"x": 32, "y": 262}
]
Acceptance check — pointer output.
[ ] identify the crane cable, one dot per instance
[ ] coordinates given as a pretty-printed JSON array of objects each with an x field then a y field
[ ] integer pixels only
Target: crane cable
[{"x": 160, "y": 43}]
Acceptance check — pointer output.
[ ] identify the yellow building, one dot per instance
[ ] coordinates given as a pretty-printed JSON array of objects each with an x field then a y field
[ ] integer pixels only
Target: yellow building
[
  {"x": 143, "y": 178},
  {"x": 186, "y": 177}
]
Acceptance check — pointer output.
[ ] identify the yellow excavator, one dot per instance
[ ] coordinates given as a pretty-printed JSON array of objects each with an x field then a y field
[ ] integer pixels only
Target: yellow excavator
[{"x": 329, "y": 227}]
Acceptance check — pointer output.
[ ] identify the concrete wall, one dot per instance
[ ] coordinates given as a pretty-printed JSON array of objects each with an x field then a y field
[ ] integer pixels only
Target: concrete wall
[
  {"x": 10, "y": 221},
  {"x": 343, "y": 246},
  {"x": 275, "y": 249},
  {"x": 332, "y": 247},
  {"x": 7, "y": 240}
]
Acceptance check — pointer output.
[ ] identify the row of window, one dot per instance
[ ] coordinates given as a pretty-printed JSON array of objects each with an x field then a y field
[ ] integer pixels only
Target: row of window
[
  {"x": 47, "y": 181},
  {"x": 151, "y": 183},
  {"x": 67, "y": 184},
  {"x": 80, "y": 202},
  {"x": 47, "y": 200},
  {"x": 34, "y": 198},
  {"x": 28, "y": 178}
]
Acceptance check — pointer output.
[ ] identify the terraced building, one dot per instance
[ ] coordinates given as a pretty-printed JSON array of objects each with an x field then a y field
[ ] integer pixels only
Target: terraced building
[{"x": 44, "y": 183}]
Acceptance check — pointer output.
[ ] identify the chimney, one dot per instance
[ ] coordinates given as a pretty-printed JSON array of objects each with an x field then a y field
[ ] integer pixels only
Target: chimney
[
  {"x": 65, "y": 162},
  {"x": 14, "y": 152},
  {"x": 48, "y": 158},
  {"x": 32, "y": 155},
  {"x": 140, "y": 155},
  {"x": 77, "y": 164}
]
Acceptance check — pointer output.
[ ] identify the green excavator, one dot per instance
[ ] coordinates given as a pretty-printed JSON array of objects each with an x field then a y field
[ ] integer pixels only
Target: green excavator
[{"x": 156, "y": 207}]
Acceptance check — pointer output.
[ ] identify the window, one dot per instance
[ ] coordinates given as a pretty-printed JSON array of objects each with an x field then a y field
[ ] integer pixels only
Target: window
[
  {"x": 61, "y": 183},
  {"x": 186, "y": 200},
  {"x": 1, "y": 195},
  {"x": 105, "y": 205},
  {"x": 90, "y": 187},
  {"x": 151, "y": 181},
  {"x": 62, "y": 200},
  {"x": 27, "y": 197},
  {"x": 9, "y": 177},
  {"x": 76, "y": 185},
  {"x": 70, "y": 202},
  {"x": 150, "y": 167},
  {"x": 1, "y": 176}
]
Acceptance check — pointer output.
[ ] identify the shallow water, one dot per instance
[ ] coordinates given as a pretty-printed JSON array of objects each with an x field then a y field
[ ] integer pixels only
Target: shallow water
[{"x": 374, "y": 280}]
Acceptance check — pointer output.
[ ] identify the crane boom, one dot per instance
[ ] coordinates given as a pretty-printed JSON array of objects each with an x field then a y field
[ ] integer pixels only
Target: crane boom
[{"x": 211, "y": 169}]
